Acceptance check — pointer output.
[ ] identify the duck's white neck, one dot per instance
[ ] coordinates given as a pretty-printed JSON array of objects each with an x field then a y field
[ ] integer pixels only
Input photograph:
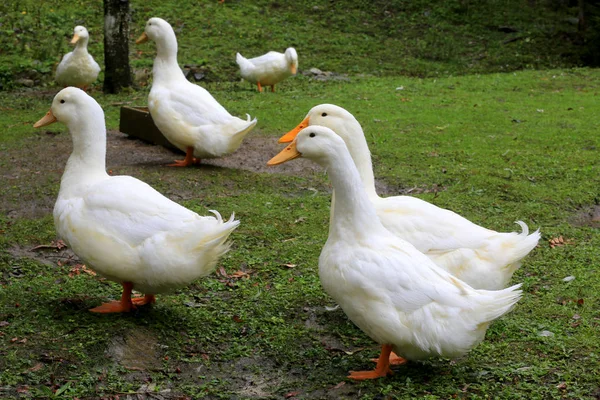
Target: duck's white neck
[
  {"x": 165, "y": 64},
  {"x": 353, "y": 212},
  {"x": 359, "y": 150},
  {"x": 81, "y": 45},
  {"x": 87, "y": 163}
]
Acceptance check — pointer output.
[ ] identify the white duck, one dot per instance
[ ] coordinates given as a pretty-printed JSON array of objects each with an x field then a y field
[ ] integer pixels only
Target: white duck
[
  {"x": 78, "y": 68},
  {"x": 268, "y": 69},
  {"x": 483, "y": 258},
  {"x": 120, "y": 226},
  {"x": 186, "y": 113},
  {"x": 390, "y": 290}
]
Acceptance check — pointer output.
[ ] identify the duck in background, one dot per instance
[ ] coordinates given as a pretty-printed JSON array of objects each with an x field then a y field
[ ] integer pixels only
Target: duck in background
[
  {"x": 121, "y": 227},
  {"x": 268, "y": 69},
  {"x": 78, "y": 68},
  {"x": 483, "y": 258},
  {"x": 187, "y": 114},
  {"x": 390, "y": 290}
]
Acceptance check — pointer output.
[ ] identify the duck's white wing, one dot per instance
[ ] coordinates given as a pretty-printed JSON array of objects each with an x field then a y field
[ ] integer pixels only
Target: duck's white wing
[
  {"x": 132, "y": 210},
  {"x": 428, "y": 227},
  {"x": 191, "y": 104},
  {"x": 268, "y": 60}
]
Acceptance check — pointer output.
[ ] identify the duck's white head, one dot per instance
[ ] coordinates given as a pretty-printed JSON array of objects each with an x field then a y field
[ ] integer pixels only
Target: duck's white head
[
  {"x": 155, "y": 30},
  {"x": 328, "y": 115},
  {"x": 292, "y": 59},
  {"x": 74, "y": 108},
  {"x": 80, "y": 34},
  {"x": 317, "y": 143}
]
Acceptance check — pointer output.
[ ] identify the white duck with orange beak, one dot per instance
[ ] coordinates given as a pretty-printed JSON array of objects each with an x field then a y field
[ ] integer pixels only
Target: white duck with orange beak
[
  {"x": 268, "y": 69},
  {"x": 120, "y": 226},
  {"x": 187, "y": 114},
  {"x": 482, "y": 257},
  {"x": 78, "y": 68},
  {"x": 391, "y": 291}
]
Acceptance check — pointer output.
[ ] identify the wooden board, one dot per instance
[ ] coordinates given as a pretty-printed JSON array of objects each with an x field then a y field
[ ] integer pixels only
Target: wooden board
[{"x": 137, "y": 122}]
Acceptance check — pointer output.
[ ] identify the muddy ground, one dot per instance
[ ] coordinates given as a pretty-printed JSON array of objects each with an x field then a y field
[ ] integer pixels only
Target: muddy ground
[{"x": 126, "y": 155}]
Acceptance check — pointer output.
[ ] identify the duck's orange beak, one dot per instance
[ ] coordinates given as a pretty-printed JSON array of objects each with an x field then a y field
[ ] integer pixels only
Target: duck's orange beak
[
  {"x": 47, "y": 119},
  {"x": 75, "y": 39},
  {"x": 287, "y": 154},
  {"x": 142, "y": 39},
  {"x": 289, "y": 137},
  {"x": 294, "y": 69}
]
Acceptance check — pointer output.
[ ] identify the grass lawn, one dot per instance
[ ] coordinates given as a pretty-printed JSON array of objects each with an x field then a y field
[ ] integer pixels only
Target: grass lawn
[{"x": 495, "y": 147}]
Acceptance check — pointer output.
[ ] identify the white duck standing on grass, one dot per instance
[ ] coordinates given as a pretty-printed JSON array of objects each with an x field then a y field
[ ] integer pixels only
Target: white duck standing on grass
[
  {"x": 390, "y": 290},
  {"x": 78, "y": 68},
  {"x": 120, "y": 226},
  {"x": 187, "y": 114},
  {"x": 268, "y": 69},
  {"x": 483, "y": 258}
]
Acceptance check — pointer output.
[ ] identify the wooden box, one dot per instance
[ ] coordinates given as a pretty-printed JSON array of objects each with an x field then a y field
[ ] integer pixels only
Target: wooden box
[{"x": 137, "y": 122}]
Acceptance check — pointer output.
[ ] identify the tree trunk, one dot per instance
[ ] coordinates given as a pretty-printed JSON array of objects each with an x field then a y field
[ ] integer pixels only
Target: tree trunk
[
  {"x": 581, "y": 25},
  {"x": 117, "y": 74}
]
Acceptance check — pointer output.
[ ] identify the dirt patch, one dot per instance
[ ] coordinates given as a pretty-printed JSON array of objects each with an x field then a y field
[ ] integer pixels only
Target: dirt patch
[
  {"x": 32, "y": 184},
  {"x": 48, "y": 255},
  {"x": 588, "y": 216},
  {"x": 136, "y": 350}
]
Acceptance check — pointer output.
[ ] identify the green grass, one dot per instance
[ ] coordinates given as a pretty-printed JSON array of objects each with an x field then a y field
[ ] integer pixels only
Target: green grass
[
  {"x": 381, "y": 38},
  {"x": 483, "y": 140},
  {"x": 494, "y": 147}
]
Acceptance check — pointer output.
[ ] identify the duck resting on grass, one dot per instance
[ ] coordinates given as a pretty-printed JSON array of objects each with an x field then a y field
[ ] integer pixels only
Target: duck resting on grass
[
  {"x": 78, "y": 68},
  {"x": 483, "y": 258},
  {"x": 187, "y": 114},
  {"x": 391, "y": 291},
  {"x": 121, "y": 227},
  {"x": 268, "y": 69}
]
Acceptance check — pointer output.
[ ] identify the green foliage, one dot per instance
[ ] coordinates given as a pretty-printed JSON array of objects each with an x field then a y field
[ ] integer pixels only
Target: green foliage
[{"x": 382, "y": 38}]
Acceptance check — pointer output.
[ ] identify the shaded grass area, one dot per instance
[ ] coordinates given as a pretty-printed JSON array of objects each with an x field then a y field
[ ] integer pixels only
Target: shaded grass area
[
  {"x": 495, "y": 148},
  {"x": 382, "y": 38}
]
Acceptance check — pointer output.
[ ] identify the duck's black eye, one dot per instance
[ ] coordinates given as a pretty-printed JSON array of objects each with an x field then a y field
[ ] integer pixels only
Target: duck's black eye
[
  {"x": 62, "y": 101},
  {"x": 312, "y": 134},
  {"x": 324, "y": 115}
]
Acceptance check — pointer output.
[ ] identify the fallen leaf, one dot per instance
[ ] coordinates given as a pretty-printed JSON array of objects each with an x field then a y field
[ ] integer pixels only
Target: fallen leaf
[
  {"x": 576, "y": 317},
  {"x": 580, "y": 302},
  {"x": 339, "y": 385},
  {"x": 4, "y": 323},
  {"x": 559, "y": 241},
  {"x": 561, "y": 386},
  {"x": 205, "y": 356},
  {"x": 241, "y": 274},
  {"x": 291, "y": 394},
  {"x": 36, "y": 367},
  {"x": 77, "y": 269},
  {"x": 221, "y": 271},
  {"x": 289, "y": 265},
  {"x": 237, "y": 319}
]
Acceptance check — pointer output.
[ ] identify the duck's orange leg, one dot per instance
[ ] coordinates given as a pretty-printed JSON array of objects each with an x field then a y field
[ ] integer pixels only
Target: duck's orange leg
[
  {"x": 146, "y": 299},
  {"x": 125, "y": 305},
  {"x": 188, "y": 160},
  {"x": 260, "y": 89},
  {"x": 382, "y": 369},
  {"x": 395, "y": 359}
]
